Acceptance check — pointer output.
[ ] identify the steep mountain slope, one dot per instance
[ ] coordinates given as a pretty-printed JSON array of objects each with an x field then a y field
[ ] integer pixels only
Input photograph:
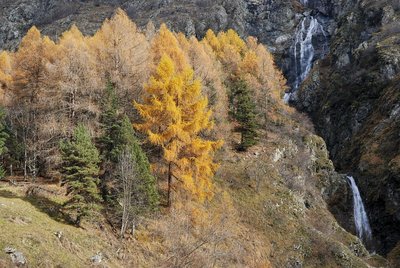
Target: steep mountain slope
[
  {"x": 269, "y": 213},
  {"x": 352, "y": 95},
  {"x": 353, "y": 98}
]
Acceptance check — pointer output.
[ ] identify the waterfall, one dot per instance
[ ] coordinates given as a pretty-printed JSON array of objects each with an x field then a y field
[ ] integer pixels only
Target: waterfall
[
  {"x": 303, "y": 49},
  {"x": 361, "y": 222},
  {"x": 304, "y": 2},
  {"x": 304, "y": 54}
]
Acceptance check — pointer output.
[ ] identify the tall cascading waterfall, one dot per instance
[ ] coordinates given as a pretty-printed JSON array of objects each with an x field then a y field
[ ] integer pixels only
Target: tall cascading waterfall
[
  {"x": 304, "y": 50},
  {"x": 361, "y": 221},
  {"x": 304, "y": 54}
]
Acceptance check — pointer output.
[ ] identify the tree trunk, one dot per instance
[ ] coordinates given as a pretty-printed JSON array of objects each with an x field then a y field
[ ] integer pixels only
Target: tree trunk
[
  {"x": 25, "y": 163},
  {"x": 169, "y": 184}
]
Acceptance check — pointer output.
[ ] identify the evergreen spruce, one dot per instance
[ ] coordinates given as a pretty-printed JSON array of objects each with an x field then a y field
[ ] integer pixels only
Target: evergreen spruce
[
  {"x": 80, "y": 171},
  {"x": 3, "y": 139},
  {"x": 245, "y": 114}
]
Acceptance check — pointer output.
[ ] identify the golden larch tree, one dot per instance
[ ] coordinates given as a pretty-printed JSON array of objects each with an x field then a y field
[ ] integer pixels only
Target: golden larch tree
[
  {"x": 5, "y": 75},
  {"x": 78, "y": 79},
  {"x": 71, "y": 96},
  {"x": 209, "y": 71},
  {"x": 29, "y": 72},
  {"x": 122, "y": 53},
  {"x": 166, "y": 43},
  {"x": 174, "y": 114}
]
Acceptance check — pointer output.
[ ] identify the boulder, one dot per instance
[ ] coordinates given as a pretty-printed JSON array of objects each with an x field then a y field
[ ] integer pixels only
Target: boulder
[{"x": 16, "y": 256}]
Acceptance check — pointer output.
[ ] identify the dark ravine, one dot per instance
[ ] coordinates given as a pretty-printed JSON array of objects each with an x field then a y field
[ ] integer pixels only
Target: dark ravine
[
  {"x": 353, "y": 99},
  {"x": 352, "y": 95}
]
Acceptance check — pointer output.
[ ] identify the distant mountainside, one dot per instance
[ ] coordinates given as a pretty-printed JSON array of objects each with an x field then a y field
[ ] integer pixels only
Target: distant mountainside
[{"x": 271, "y": 22}]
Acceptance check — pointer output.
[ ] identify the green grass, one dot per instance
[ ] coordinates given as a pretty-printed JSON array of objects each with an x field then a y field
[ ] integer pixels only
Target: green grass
[{"x": 29, "y": 229}]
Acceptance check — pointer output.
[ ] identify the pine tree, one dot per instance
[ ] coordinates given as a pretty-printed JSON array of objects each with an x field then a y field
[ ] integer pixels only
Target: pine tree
[
  {"x": 80, "y": 171},
  {"x": 245, "y": 114},
  {"x": 174, "y": 113},
  {"x": 119, "y": 137},
  {"x": 3, "y": 139}
]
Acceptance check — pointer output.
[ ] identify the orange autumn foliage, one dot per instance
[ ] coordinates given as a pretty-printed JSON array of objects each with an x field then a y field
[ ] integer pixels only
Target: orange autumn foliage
[
  {"x": 58, "y": 84},
  {"x": 174, "y": 113}
]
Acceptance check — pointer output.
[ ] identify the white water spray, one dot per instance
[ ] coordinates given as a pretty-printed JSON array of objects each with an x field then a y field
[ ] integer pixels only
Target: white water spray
[
  {"x": 303, "y": 47},
  {"x": 304, "y": 2},
  {"x": 361, "y": 222}
]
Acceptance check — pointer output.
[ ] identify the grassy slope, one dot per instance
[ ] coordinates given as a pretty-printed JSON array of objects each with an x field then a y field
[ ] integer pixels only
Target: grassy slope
[
  {"x": 28, "y": 228},
  {"x": 298, "y": 235}
]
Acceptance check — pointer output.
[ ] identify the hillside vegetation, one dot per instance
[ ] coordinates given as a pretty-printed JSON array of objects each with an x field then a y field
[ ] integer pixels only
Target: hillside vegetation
[{"x": 215, "y": 172}]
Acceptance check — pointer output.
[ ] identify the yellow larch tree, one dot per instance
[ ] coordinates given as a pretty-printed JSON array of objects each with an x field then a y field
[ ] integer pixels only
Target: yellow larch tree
[
  {"x": 71, "y": 96},
  {"x": 209, "y": 71},
  {"x": 269, "y": 73},
  {"x": 212, "y": 41},
  {"x": 250, "y": 62},
  {"x": 77, "y": 79},
  {"x": 166, "y": 43},
  {"x": 228, "y": 47},
  {"x": 174, "y": 114},
  {"x": 5, "y": 75},
  {"x": 29, "y": 72},
  {"x": 122, "y": 53}
]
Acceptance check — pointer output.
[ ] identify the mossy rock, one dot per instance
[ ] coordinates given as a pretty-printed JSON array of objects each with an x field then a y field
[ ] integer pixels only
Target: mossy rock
[{"x": 319, "y": 152}]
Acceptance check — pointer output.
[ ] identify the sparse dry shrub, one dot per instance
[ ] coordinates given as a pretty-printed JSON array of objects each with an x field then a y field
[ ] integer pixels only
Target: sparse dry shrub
[{"x": 205, "y": 236}]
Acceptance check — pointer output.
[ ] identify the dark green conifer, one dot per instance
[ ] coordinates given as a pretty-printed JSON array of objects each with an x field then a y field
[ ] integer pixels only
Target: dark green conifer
[
  {"x": 245, "y": 113},
  {"x": 109, "y": 122},
  {"x": 119, "y": 140},
  {"x": 80, "y": 172},
  {"x": 3, "y": 139}
]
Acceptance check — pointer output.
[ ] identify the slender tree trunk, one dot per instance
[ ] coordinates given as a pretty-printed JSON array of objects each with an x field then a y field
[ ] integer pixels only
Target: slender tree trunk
[
  {"x": 128, "y": 175},
  {"x": 133, "y": 227},
  {"x": 72, "y": 115},
  {"x": 169, "y": 184},
  {"x": 25, "y": 162}
]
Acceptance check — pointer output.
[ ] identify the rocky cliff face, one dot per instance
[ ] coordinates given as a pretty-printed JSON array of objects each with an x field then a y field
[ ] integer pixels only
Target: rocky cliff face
[
  {"x": 353, "y": 98},
  {"x": 268, "y": 20},
  {"x": 272, "y": 22}
]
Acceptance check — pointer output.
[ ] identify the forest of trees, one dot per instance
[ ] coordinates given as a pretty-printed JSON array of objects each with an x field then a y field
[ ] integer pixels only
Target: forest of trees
[{"x": 127, "y": 116}]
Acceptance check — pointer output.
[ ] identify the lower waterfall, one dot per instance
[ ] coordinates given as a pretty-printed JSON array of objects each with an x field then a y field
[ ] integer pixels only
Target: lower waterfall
[{"x": 361, "y": 221}]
